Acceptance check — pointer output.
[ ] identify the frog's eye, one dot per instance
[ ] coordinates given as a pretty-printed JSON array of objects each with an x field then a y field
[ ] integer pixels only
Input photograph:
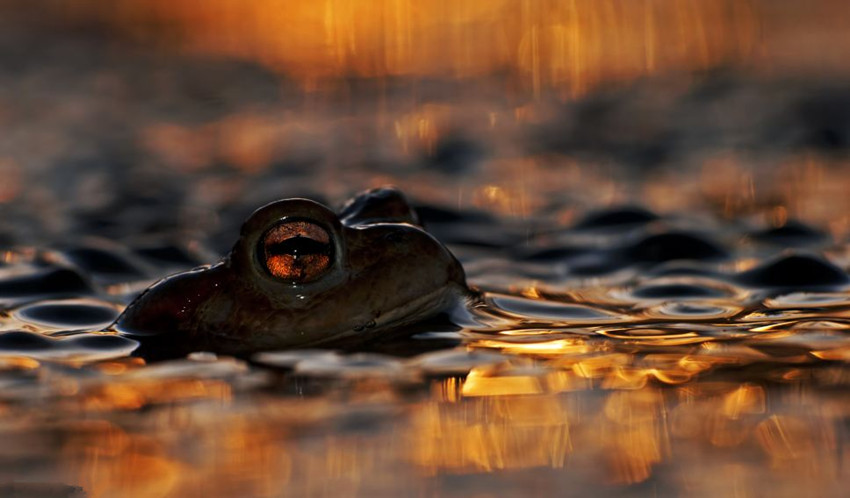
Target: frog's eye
[{"x": 296, "y": 251}]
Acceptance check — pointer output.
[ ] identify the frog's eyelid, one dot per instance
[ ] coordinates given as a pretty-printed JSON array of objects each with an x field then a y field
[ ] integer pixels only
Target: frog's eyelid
[
  {"x": 290, "y": 209},
  {"x": 288, "y": 229}
]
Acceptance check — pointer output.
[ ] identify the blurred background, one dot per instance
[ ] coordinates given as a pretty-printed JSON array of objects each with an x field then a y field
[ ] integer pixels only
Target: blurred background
[{"x": 137, "y": 116}]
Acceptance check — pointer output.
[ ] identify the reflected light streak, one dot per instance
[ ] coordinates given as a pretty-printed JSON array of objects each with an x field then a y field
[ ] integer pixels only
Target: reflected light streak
[
  {"x": 556, "y": 347},
  {"x": 520, "y": 432}
]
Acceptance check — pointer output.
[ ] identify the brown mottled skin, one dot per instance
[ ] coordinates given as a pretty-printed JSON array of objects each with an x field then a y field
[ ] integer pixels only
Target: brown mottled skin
[{"x": 386, "y": 273}]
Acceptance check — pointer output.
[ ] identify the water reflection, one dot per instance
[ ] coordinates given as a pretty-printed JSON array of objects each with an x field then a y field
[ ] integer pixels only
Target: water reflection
[
  {"x": 614, "y": 407},
  {"x": 625, "y": 384},
  {"x": 618, "y": 438}
]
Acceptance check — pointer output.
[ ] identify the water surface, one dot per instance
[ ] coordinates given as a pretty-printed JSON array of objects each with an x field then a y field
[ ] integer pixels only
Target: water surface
[{"x": 663, "y": 259}]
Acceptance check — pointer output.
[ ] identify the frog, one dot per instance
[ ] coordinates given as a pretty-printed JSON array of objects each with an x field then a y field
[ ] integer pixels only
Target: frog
[{"x": 302, "y": 276}]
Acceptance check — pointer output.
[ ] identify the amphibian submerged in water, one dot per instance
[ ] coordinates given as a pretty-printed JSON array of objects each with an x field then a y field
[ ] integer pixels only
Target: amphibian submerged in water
[{"x": 300, "y": 275}]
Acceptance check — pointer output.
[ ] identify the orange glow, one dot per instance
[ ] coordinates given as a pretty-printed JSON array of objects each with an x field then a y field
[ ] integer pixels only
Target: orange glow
[
  {"x": 11, "y": 180},
  {"x": 788, "y": 440},
  {"x": 480, "y": 383},
  {"x": 633, "y": 440},
  {"x": 108, "y": 462},
  {"x": 134, "y": 395},
  {"x": 18, "y": 363},
  {"x": 556, "y": 347},
  {"x": 522, "y": 432},
  {"x": 747, "y": 399},
  {"x": 119, "y": 366},
  {"x": 570, "y": 46}
]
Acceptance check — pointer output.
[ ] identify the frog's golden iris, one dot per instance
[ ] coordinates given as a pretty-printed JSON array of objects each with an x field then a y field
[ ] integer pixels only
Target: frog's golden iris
[{"x": 296, "y": 251}]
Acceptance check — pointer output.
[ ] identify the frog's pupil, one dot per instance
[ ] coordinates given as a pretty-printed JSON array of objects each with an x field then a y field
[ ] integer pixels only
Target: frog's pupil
[{"x": 298, "y": 246}]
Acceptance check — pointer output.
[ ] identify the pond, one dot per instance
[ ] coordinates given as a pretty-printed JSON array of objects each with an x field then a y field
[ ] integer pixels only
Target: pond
[{"x": 658, "y": 259}]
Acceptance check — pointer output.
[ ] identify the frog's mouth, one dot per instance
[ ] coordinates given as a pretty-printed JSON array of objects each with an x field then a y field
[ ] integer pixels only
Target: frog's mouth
[
  {"x": 365, "y": 330},
  {"x": 406, "y": 314}
]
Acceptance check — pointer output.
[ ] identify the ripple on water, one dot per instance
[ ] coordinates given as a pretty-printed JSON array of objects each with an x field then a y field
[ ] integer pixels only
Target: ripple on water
[
  {"x": 671, "y": 246},
  {"x": 799, "y": 271},
  {"x": 822, "y": 325},
  {"x": 45, "y": 283},
  {"x": 617, "y": 218},
  {"x": 80, "y": 347},
  {"x": 691, "y": 311},
  {"x": 808, "y": 300},
  {"x": 776, "y": 315},
  {"x": 683, "y": 268},
  {"x": 556, "y": 254},
  {"x": 106, "y": 265},
  {"x": 675, "y": 334},
  {"x": 792, "y": 234},
  {"x": 678, "y": 291},
  {"x": 536, "y": 310},
  {"x": 68, "y": 313},
  {"x": 812, "y": 341}
]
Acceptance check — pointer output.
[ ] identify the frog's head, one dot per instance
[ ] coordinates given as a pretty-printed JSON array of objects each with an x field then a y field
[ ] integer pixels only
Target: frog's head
[{"x": 300, "y": 275}]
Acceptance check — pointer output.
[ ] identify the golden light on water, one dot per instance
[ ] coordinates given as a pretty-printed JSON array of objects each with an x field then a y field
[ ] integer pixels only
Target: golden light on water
[
  {"x": 522, "y": 432},
  {"x": 555, "y": 418}
]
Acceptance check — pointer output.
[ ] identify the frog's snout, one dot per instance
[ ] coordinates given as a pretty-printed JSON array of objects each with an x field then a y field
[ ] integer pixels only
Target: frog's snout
[{"x": 170, "y": 304}]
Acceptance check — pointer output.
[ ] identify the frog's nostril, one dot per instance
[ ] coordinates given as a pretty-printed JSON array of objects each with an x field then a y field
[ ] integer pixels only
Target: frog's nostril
[{"x": 296, "y": 251}]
